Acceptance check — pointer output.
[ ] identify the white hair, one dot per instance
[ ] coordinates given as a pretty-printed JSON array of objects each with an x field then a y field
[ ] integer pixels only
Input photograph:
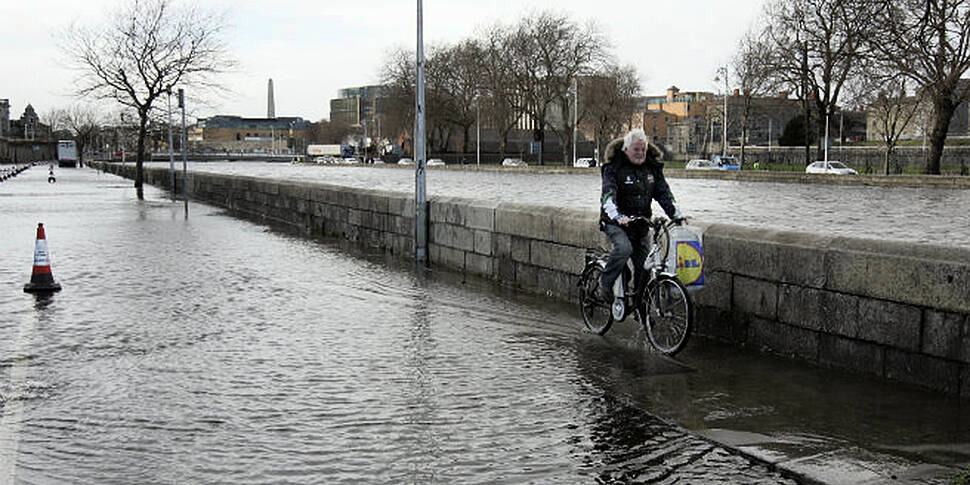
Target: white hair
[{"x": 634, "y": 134}]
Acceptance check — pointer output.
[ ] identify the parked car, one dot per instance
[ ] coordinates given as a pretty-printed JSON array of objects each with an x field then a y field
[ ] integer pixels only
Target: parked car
[
  {"x": 435, "y": 162},
  {"x": 377, "y": 161},
  {"x": 831, "y": 167},
  {"x": 405, "y": 161},
  {"x": 702, "y": 164},
  {"x": 514, "y": 162},
  {"x": 726, "y": 162},
  {"x": 584, "y": 162}
]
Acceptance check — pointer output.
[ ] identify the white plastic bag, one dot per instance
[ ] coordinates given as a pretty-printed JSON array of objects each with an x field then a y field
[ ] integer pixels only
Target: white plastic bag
[{"x": 686, "y": 255}]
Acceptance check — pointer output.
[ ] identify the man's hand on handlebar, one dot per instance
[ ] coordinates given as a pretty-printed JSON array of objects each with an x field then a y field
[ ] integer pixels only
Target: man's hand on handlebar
[{"x": 623, "y": 220}]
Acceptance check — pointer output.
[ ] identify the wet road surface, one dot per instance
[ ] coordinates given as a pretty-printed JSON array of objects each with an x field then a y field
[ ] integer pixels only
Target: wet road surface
[{"x": 214, "y": 350}]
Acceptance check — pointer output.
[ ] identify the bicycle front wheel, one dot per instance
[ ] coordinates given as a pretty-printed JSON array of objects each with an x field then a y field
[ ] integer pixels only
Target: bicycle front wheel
[
  {"x": 667, "y": 315},
  {"x": 596, "y": 313}
]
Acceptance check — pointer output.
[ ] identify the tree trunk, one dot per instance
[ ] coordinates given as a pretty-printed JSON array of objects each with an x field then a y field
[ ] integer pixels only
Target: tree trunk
[
  {"x": 140, "y": 155},
  {"x": 886, "y": 162},
  {"x": 943, "y": 109}
]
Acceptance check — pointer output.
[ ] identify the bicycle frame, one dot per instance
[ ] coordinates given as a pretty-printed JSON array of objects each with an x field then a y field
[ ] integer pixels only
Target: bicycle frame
[{"x": 653, "y": 266}]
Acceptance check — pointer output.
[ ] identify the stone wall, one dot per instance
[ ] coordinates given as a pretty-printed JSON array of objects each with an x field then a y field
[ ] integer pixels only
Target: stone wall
[{"x": 893, "y": 310}]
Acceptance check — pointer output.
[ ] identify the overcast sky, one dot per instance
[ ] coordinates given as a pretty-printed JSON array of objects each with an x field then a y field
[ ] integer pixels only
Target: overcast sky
[{"x": 313, "y": 48}]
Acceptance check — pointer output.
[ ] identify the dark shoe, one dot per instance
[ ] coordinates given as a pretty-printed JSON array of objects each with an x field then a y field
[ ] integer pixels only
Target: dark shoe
[{"x": 606, "y": 293}]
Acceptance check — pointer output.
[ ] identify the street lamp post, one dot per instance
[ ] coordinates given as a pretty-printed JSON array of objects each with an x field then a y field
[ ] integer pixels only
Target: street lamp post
[
  {"x": 171, "y": 155},
  {"x": 724, "y": 141},
  {"x": 478, "y": 128},
  {"x": 420, "y": 189},
  {"x": 575, "y": 114}
]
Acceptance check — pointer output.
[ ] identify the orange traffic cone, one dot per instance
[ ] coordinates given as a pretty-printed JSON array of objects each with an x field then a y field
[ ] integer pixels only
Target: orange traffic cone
[{"x": 41, "y": 280}]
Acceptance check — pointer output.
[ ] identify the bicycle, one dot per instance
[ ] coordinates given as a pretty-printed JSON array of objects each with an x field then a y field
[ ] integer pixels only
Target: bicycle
[{"x": 661, "y": 306}]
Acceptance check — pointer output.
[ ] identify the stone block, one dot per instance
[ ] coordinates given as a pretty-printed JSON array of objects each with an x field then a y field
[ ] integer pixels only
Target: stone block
[
  {"x": 923, "y": 371},
  {"x": 504, "y": 269},
  {"x": 483, "y": 242},
  {"x": 354, "y": 217},
  {"x": 839, "y": 314},
  {"x": 457, "y": 237},
  {"x": 716, "y": 292},
  {"x": 554, "y": 283},
  {"x": 576, "y": 227},
  {"x": 450, "y": 210},
  {"x": 731, "y": 249},
  {"x": 721, "y": 325},
  {"x": 529, "y": 221},
  {"x": 942, "y": 334},
  {"x": 801, "y": 306},
  {"x": 965, "y": 352},
  {"x": 788, "y": 257},
  {"x": 480, "y": 215},
  {"x": 755, "y": 297},
  {"x": 445, "y": 256},
  {"x": 479, "y": 264},
  {"x": 502, "y": 245},
  {"x": 526, "y": 275},
  {"x": 375, "y": 220},
  {"x": 784, "y": 339},
  {"x": 401, "y": 225},
  {"x": 294, "y": 190},
  {"x": 400, "y": 205},
  {"x": 567, "y": 259},
  {"x": 890, "y": 323},
  {"x": 965, "y": 381},
  {"x": 521, "y": 249},
  {"x": 852, "y": 354},
  {"x": 924, "y": 275},
  {"x": 373, "y": 201}
]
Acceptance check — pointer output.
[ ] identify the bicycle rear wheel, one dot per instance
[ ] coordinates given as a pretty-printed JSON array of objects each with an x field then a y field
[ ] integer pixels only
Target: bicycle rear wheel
[
  {"x": 668, "y": 315},
  {"x": 596, "y": 312}
]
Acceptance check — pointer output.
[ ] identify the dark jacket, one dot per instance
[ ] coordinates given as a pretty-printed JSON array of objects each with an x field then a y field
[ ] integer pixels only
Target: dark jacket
[{"x": 629, "y": 189}]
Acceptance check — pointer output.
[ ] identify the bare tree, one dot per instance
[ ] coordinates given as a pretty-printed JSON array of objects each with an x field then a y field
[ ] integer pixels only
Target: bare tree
[
  {"x": 498, "y": 78},
  {"x": 147, "y": 49},
  {"x": 819, "y": 44},
  {"x": 459, "y": 80},
  {"x": 549, "y": 51},
  {"x": 752, "y": 70},
  {"x": 84, "y": 122},
  {"x": 607, "y": 103},
  {"x": 928, "y": 41},
  {"x": 398, "y": 78}
]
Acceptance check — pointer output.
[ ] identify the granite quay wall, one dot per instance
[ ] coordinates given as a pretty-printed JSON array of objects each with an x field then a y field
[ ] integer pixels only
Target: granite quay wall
[{"x": 894, "y": 310}]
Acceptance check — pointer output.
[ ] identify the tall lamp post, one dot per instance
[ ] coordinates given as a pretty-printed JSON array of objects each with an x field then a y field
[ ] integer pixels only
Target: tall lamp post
[
  {"x": 478, "y": 127},
  {"x": 575, "y": 114},
  {"x": 171, "y": 155},
  {"x": 420, "y": 190},
  {"x": 723, "y": 72}
]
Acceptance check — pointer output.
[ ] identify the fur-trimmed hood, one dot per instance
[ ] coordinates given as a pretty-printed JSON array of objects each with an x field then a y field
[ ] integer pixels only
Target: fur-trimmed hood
[{"x": 615, "y": 148}]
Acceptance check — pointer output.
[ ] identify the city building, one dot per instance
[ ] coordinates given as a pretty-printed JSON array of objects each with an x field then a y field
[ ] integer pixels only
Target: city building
[
  {"x": 357, "y": 106},
  {"x": 261, "y": 135},
  {"x": 4, "y": 117}
]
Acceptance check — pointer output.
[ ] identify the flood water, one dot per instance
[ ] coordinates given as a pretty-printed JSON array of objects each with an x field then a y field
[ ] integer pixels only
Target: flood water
[
  {"x": 209, "y": 349},
  {"x": 206, "y": 349},
  {"x": 918, "y": 215}
]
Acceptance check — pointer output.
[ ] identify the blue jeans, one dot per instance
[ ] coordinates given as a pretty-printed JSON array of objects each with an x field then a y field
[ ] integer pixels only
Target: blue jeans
[{"x": 623, "y": 248}]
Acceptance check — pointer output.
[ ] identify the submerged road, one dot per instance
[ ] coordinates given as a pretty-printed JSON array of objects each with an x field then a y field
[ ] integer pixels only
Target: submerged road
[{"x": 207, "y": 349}]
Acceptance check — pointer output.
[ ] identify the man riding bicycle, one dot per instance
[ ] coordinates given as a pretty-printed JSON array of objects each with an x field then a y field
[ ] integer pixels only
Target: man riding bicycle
[{"x": 632, "y": 178}]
